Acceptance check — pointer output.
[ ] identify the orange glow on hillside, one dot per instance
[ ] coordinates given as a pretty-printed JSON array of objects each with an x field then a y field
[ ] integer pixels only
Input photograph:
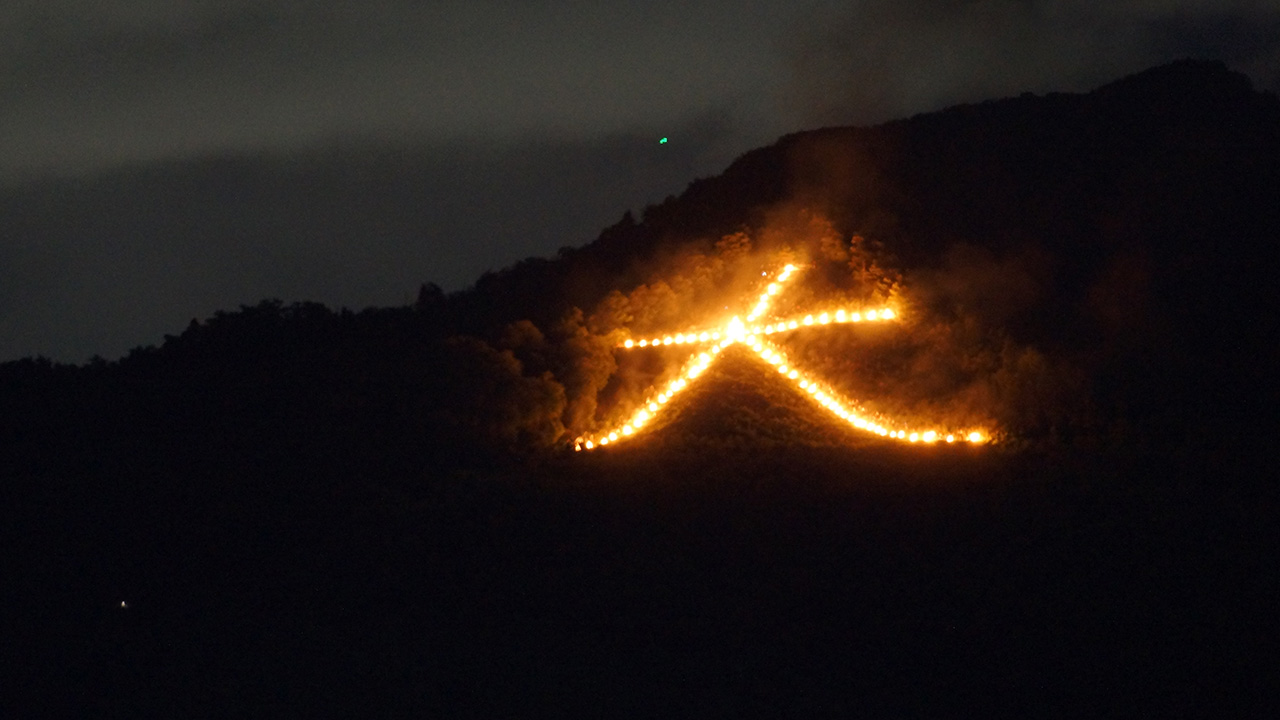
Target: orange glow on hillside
[{"x": 735, "y": 331}]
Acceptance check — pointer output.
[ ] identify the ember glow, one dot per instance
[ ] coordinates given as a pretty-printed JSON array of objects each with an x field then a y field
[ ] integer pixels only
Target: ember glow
[{"x": 749, "y": 333}]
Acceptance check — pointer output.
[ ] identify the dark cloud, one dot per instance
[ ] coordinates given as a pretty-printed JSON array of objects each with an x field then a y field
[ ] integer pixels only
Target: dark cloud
[
  {"x": 892, "y": 58},
  {"x": 165, "y": 160},
  {"x": 96, "y": 84},
  {"x": 101, "y": 263}
]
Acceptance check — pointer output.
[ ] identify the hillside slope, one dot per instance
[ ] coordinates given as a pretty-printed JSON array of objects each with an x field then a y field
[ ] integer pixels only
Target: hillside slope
[{"x": 1124, "y": 233}]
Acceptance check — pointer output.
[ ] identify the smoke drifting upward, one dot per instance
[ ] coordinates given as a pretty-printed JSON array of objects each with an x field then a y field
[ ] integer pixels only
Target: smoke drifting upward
[
  {"x": 945, "y": 365},
  {"x": 886, "y": 58}
]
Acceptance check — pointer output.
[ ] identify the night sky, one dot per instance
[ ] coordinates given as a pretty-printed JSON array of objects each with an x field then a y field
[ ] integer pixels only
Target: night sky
[{"x": 160, "y": 161}]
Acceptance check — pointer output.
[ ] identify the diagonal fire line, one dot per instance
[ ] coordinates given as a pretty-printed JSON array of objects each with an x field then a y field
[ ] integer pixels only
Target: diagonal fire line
[{"x": 750, "y": 333}]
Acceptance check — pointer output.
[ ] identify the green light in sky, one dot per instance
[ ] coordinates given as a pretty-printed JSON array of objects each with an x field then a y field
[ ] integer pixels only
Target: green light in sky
[{"x": 663, "y": 141}]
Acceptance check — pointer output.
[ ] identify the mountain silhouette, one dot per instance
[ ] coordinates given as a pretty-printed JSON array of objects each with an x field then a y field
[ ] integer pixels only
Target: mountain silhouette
[{"x": 289, "y": 509}]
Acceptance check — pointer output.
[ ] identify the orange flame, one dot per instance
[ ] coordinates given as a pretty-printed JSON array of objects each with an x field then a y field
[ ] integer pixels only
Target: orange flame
[{"x": 737, "y": 331}]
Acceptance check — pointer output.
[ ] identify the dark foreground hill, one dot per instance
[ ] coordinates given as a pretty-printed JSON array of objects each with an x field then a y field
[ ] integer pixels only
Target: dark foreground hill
[
  {"x": 796, "y": 583},
  {"x": 292, "y": 511}
]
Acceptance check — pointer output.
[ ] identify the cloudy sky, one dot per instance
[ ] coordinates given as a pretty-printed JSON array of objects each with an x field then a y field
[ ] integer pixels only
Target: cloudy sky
[{"x": 163, "y": 160}]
